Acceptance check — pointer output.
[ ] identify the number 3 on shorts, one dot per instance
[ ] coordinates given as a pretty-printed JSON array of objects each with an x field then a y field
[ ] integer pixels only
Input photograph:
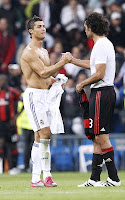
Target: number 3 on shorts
[{"x": 90, "y": 123}]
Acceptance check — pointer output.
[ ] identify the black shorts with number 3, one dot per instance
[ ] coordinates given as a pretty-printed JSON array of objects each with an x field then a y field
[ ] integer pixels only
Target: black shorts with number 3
[{"x": 101, "y": 108}]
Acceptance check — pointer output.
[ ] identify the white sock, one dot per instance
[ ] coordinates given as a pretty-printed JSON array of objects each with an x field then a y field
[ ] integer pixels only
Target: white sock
[
  {"x": 36, "y": 162},
  {"x": 45, "y": 157}
]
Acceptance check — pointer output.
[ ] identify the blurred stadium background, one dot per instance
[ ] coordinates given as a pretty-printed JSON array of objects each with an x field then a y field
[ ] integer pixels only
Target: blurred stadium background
[{"x": 65, "y": 32}]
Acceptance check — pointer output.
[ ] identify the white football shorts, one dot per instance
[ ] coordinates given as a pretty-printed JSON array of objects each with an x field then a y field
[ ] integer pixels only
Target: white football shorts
[{"x": 36, "y": 107}]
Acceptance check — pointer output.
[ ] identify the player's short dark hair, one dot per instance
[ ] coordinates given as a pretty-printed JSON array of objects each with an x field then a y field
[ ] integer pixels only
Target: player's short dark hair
[
  {"x": 31, "y": 22},
  {"x": 98, "y": 24}
]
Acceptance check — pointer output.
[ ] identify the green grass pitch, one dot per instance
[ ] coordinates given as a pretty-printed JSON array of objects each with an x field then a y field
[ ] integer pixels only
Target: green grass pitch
[{"x": 18, "y": 188}]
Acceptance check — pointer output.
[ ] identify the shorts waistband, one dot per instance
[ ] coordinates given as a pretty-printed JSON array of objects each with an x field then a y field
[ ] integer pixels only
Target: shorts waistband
[
  {"x": 36, "y": 90},
  {"x": 102, "y": 88}
]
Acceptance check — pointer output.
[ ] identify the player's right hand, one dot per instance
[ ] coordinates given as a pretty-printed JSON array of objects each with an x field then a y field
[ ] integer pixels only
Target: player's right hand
[{"x": 67, "y": 56}]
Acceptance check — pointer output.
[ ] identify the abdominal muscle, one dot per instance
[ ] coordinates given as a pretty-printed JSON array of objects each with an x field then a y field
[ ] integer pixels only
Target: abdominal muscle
[{"x": 35, "y": 81}]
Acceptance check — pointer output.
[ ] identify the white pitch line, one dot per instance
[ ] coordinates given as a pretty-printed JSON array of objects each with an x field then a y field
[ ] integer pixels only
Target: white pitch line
[{"x": 81, "y": 192}]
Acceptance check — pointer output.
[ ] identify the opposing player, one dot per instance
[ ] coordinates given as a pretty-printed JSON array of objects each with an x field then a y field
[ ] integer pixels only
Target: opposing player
[
  {"x": 35, "y": 65},
  {"x": 102, "y": 98}
]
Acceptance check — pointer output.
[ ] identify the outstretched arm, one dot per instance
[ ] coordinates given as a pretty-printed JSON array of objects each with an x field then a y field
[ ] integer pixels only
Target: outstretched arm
[
  {"x": 32, "y": 58},
  {"x": 82, "y": 63}
]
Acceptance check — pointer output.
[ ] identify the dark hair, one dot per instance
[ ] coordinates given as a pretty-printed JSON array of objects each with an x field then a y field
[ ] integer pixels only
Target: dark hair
[
  {"x": 98, "y": 24},
  {"x": 31, "y": 22}
]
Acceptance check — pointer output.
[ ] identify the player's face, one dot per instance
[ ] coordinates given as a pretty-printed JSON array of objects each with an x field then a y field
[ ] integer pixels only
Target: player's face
[
  {"x": 39, "y": 30},
  {"x": 88, "y": 31}
]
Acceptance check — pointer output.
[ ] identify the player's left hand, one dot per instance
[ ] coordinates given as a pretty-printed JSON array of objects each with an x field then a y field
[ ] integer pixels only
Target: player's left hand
[{"x": 79, "y": 87}]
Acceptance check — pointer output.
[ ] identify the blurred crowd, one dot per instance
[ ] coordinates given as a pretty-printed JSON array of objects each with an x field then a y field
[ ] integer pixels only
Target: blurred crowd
[{"x": 65, "y": 32}]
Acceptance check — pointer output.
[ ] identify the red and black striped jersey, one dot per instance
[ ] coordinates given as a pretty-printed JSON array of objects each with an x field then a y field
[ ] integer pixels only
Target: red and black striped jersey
[{"x": 7, "y": 103}]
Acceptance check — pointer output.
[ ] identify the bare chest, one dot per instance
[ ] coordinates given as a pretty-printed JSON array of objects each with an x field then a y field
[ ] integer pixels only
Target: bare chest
[{"x": 43, "y": 55}]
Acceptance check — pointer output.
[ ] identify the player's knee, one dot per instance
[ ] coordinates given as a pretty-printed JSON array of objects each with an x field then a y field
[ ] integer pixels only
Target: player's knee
[
  {"x": 102, "y": 139},
  {"x": 45, "y": 133},
  {"x": 97, "y": 139}
]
